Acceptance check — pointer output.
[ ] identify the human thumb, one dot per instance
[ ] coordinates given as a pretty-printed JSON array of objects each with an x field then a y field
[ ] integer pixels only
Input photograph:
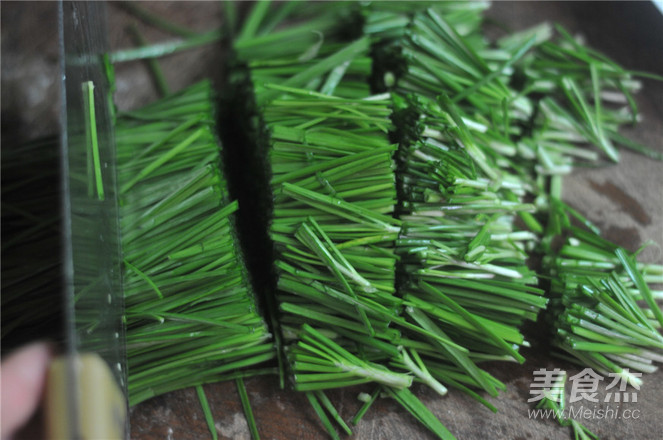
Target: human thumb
[{"x": 22, "y": 377}]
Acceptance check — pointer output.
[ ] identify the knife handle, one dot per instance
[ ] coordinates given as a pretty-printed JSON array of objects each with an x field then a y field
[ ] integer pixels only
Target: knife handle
[{"x": 89, "y": 406}]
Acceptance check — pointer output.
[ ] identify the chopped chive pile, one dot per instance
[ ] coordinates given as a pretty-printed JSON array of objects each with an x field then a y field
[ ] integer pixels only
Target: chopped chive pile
[
  {"x": 483, "y": 133},
  {"x": 603, "y": 310},
  {"x": 190, "y": 313}
]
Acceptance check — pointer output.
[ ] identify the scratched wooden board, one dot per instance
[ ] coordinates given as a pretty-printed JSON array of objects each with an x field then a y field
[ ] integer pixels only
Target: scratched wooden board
[{"x": 626, "y": 201}]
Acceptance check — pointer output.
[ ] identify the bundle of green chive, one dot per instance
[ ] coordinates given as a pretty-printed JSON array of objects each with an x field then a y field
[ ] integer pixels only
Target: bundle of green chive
[
  {"x": 333, "y": 181},
  {"x": 463, "y": 252},
  {"x": 603, "y": 309},
  {"x": 190, "y": 312}
]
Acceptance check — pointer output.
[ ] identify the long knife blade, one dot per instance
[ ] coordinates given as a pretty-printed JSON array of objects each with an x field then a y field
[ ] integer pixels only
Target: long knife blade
[{"x": 91, "y": 390}]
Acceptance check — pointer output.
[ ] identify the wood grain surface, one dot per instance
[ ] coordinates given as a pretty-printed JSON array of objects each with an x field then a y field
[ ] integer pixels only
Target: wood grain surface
[{"x": 626, "y": 201}]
